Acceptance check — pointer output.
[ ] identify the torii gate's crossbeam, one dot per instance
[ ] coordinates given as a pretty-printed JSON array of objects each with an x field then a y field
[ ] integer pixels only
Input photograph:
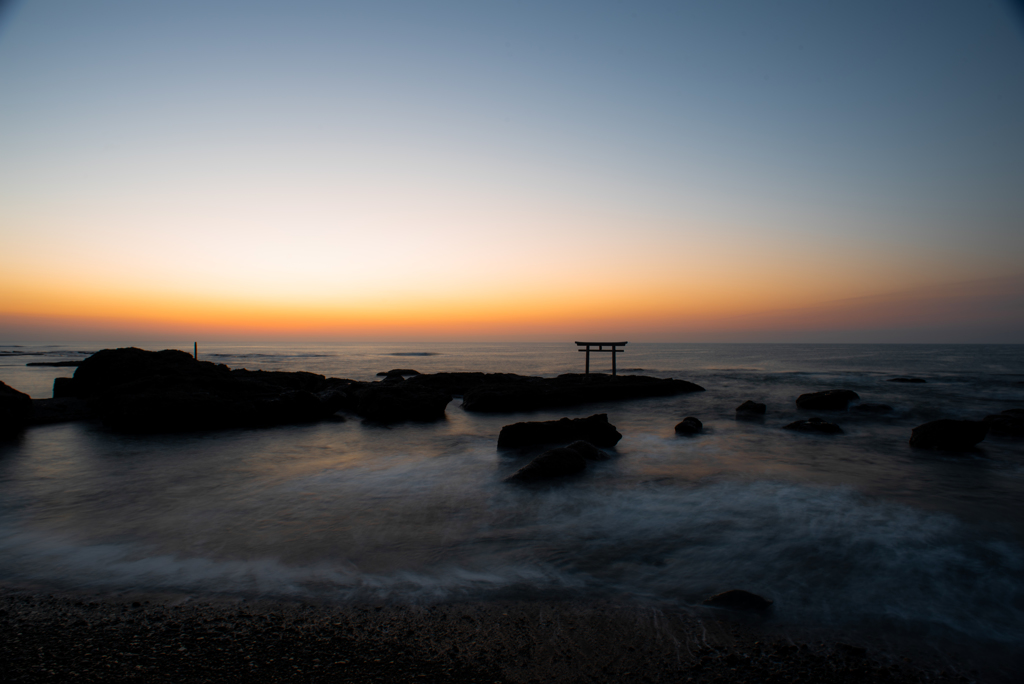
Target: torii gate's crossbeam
[{"x": 601, "y": 348}]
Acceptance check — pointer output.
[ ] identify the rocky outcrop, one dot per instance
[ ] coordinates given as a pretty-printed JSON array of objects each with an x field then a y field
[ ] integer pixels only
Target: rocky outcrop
[
  {"x": 910, "y": 380},
  {"x": 549, "y": 465},
  {"x": 949, "y": 435},
  {"x": 751, "y": 408},
  {"x": 815, "y": 425},
  {"x": 1009, "y": 423},
  {"x": 390, "y": 403},
  {"x": 689, "y": 426},
  {"x": 595, "y": 429},
  {"x": 398, "y": 372},
  {"x": 737, "y": 599},
  {"x": 829, "y": 400},
  {"x": 64, "y": 388},
  {"x": 134, "y": 390},
  {"x": 517, "y": 393},
  {"x": 15, "y": 410},
  {"x": 875, "y": 409},
  {"x": 588, "y": 451},
  {"x": 66, "y": 410}
]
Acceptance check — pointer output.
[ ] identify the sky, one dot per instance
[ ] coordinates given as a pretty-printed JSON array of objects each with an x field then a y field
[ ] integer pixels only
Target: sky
[{"x": 512, "y": 170}]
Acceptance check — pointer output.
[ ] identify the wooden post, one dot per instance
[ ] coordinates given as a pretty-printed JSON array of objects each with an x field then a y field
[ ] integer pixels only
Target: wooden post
[
  {"x": 195, "y": 350},
  {"x": 601, "y": 348}
]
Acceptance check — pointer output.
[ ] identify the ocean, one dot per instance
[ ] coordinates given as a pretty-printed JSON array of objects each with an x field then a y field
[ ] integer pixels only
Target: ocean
[{"x": 845, "y": 531}]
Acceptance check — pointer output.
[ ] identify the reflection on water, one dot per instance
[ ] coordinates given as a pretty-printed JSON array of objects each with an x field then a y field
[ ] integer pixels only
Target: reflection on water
[{"x": 850, "y": 529}]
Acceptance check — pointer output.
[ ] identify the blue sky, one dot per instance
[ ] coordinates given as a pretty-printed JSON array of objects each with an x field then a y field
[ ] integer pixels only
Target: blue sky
[{"x": 712, "y": 159}]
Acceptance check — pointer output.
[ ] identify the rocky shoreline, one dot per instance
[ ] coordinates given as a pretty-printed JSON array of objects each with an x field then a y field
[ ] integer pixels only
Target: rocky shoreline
[{"x": 161, "y": 638}]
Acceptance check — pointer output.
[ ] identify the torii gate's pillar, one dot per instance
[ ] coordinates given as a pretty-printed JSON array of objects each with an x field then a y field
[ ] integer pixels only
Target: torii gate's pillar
[{"x": 601, "y": 348}]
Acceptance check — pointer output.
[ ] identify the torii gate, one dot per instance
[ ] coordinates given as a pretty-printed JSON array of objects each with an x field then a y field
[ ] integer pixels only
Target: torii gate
[{"x": 601, "y": 348}]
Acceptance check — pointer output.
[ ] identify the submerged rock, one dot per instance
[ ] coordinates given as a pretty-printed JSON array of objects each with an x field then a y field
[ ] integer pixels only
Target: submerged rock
[
  {"x": 738, "y": 599},
  {"x": 551, "y": 464},
  {"x": 815, "y": 425},
  {"x": 15, "y": 410},
  {"x": 1009, "y": 423},
  {"x": 689, "y": 426},
  {"x": 829, "y": 400},
  {"x": 594, "y": 429},
  {"x": 751, "y": 408},
  {"x": 949, "y": 435},
  {"x": 912, "y": 380}
]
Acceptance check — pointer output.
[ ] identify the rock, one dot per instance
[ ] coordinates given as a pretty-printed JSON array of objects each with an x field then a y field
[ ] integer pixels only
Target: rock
[
  {"x": 517, "y": 393},
  {"x": 15, "y": 410},
  {"x": 59, "y": 410},
  {"x": 551, "y": 464},
  {"x": 134, "y": 390},
  {"x": 398, "y": 371},
  {"x": 588, "y": 451},
  {"x": 333, "y": 400},
  {"x": 594, "y": 429},
  {"x": 949, "y": 435},
  {"x": 913, "y": 380},
  {"x": 110, "y": 368},
  {"x": 751, "y": 408},
  {"x": 689, "y": 426},
  {"x": 54, "y": 363},
  {"x": 1009, "y": 423},
  {"x": 63, "y": 388},
  {"x": 815, "y": 425},
  {"x": 829, "y": 400},
  {"x": 390, "y": 403},
  {"x": 737, "y": 599},
  {"x": 872, "y": 408}
]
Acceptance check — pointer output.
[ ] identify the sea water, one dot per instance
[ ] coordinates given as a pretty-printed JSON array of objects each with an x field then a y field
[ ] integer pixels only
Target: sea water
[{"x": 855, "y": 529}]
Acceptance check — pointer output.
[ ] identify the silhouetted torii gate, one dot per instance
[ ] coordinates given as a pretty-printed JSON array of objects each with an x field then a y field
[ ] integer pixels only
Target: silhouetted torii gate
[{"x": 601, "y": 348}]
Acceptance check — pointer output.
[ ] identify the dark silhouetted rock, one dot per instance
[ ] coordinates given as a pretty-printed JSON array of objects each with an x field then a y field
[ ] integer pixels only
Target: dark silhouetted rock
[
  {"x": 1009, "y": 423},
  {"x": 912, "y": 380},
  {"x": 588, "y": 451},
  {"x": 54, "y": 363},
  {"x": 872, "y": 408},
  {"x": 110, "y": 368},
  {"x": 949, "y": 435},
  {"x": 134, "y": 390},
  {"x": 551, "y": 464},
  {"x": 59, "y": 410},
  {"x": 689, "y": 426},
  {"x": 737, "y": 599},
  {"x": 64, "y": 388},
  {"x": 829, "y": 400},
  {"x": 751, "y": 408},
  {"x": 15, "y": 410},
  {"x": 595, "y": 429},
  {"x": 815, "y": 425},
  {"x": 391, "y": 403},
  {"x": 398, "y": 372},
  {"x": 518, "y": 393}
]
